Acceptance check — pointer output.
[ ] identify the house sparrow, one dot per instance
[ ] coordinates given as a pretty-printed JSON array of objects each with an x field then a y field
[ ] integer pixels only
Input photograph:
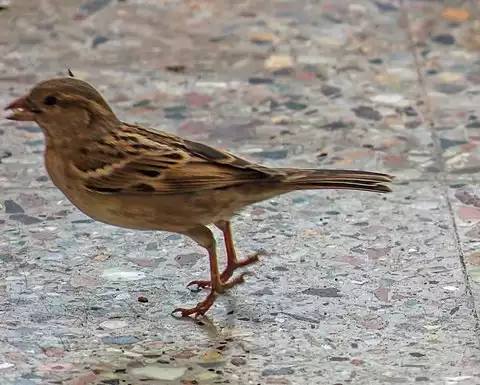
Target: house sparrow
[{"x": 135, "y": 177}]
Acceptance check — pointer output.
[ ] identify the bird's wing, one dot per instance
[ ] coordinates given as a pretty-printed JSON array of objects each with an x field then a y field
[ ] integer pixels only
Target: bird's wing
[{"x": 140, "y": 161}]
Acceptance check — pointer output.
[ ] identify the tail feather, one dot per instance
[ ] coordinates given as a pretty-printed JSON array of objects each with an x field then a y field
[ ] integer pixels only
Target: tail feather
[{"x": 338, "y": 179}]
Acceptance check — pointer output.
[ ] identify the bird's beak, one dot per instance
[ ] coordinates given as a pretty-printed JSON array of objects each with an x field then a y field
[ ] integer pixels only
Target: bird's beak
[{"x": 21, "y": 109}]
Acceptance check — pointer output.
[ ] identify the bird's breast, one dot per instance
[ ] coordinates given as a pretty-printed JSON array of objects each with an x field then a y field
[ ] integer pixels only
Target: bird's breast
[{"x": 56, "y": 166}]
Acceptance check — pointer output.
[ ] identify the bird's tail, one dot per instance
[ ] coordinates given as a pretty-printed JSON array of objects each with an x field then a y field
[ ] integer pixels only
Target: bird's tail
[{"x": 305, "y": 179}]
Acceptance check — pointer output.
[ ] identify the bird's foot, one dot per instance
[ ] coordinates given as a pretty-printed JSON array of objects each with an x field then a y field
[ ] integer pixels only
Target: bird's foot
[
  {"x": 234, "y": 265},
  {"x": 199, "y": 310},
  {"x": 225, "y": 285},
  {"x": 205, "y": 305},
  {"x": 229, "y": 270}
]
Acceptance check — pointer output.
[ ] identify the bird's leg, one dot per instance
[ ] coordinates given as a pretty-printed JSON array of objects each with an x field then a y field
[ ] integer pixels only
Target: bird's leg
[
  {"x": 204, "y": 237},
  {"x": 233, "y": 263}
]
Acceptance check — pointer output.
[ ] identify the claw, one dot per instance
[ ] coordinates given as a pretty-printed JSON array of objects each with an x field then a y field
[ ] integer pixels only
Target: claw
[
  {"x": 200, "y": 285},
  {"x": 204, "y": 306},
  {"x": 228, "y": 272},
  {"x": 199, "y": 310}
]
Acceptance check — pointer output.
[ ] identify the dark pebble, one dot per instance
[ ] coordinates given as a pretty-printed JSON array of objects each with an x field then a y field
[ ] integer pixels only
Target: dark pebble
[
  {"x": 93, "y": 5},
  {"x": 444, "y": 38},
  {"x": 82, "y": 221},
  {"x": 301, "y": 38},
  {"x": 151, "y": 246},
  {"x": 366, "y": 112},
  {"x": 418, "y": 355},
  {"x": 358, "y": 250},
  {"x": 110, "y": 382},
  {"x": 24, "y": 219},
  {"x": 278, "y": 154},
  {"x": 6, "y": 257},
  {"x": 329, "y": 292},
  {"x": 219, "y": 38},
  {"x": 141, "y": 103},
  {"x": 364, "y": 223},
  {"x": 386, "y": 6},
  {"x": 273, "y": 104},
  {"x": 177, "y": 68},
  {"x": 30, "y": 128},
  {"x": 34, "y": 143},
  {"x": 475, "y": 124},
  {"x": 333, "y": 19},
  {"x": 473, "y": 77},
  {"x": 177, "y": 112},
  {"x": 410, "y": 111},
  {"x": 277, "y": 372},
  {"x": 120, "y": 340},
  {"x": 413, "y": 124},
  {"x": 295, "y": 106},
  {"x": 454, "y": 310},
  {"x": 376, "y": 60},
  {"x": 332, "y": 212},
  {"x": 259, "y": 80},
  {"x": 449, "y": 89},
  {"x": 283, "y": 72},
  {"x": 4, "y": 155},
  {"x": 261, "y": 42},
  {"x": 238, "y": 361},
  {"x": 337, "y": 125},
  {"x": 98, "y": 40},
  {"x": 467, "y": 198},
  {"x": 331, "y": 90},
  {"x": 447, "y": 143},
  {"x": 12, "y": 207}
]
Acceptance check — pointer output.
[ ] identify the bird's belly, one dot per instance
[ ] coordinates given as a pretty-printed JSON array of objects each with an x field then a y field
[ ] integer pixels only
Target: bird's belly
[{"x": 175, "y": 212}]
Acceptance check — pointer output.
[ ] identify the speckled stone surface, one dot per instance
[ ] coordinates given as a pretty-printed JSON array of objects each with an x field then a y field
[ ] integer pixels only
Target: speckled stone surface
[{"x": 356, "y": 288}]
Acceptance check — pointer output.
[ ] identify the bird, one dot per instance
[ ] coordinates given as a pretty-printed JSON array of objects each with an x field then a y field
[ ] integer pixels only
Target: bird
[{"x": 141, "y": 178}]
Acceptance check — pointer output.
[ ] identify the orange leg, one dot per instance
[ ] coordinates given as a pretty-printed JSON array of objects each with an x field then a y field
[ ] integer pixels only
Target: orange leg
[
  {"x": 233, "y": 263},
  {"x": 204, "y": 237}
]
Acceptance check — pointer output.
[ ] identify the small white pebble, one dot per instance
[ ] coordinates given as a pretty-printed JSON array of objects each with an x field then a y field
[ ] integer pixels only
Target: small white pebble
[
  {"x": 450, "y": 288},
  {"x": 396, "y": 100},
  {"x": 122, "y": 297},
  {"x": 113, "y": 324}
]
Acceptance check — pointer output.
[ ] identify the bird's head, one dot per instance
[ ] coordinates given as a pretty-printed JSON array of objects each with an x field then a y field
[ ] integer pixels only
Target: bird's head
[{"x": 65, "y": 108}]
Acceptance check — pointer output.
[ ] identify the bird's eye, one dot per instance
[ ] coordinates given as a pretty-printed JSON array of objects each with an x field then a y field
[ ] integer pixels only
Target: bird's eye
[{"x": 50, "y": 100}]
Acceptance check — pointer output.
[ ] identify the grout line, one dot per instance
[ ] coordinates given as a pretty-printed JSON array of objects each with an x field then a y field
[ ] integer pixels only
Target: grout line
[{"x": 429, "y": 118}]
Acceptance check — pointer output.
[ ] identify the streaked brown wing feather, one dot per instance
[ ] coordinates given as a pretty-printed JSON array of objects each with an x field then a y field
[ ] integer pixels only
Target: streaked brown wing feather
[{"x": 139, "y": 161}]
